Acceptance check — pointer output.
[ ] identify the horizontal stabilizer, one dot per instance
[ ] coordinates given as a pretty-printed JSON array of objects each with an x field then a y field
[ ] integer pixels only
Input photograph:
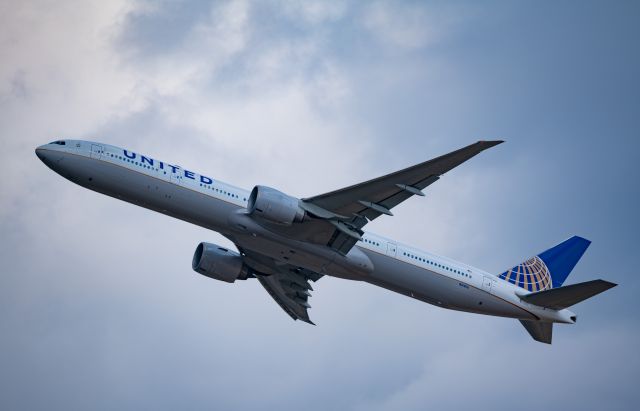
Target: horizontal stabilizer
[
  {"x": 538, "y": 330},
  {"x": 563, "y": 297}
]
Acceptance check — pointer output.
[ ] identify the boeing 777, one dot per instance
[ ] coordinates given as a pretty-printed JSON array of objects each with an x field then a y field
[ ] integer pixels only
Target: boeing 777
[{"x": 286, "y": 242}]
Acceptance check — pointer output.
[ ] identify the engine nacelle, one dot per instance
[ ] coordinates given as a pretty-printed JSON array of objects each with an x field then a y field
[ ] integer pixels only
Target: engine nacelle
[
  {"x": 274, "y": 206},
  {"x": 219, "y": 263}
]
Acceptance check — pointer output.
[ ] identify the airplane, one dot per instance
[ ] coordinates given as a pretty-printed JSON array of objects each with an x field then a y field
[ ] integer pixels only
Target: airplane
[{"x": 287, "y": 242}]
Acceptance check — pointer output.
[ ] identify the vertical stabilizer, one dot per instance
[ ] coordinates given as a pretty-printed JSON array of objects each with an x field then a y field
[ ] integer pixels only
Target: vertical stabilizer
[
  {"x": 561, "y": 259},
  {"x": 550, "y": 268},
  {"x": 539, "y": 330}
]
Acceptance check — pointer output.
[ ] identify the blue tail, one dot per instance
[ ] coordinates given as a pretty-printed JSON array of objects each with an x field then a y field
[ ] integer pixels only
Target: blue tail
[{"x": 550, "y": 268}]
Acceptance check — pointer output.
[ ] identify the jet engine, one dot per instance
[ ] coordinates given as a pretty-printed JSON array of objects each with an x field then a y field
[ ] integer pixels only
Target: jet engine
[
  {"x": 219, "y": 263},
  {"x": 274, "y": 206}
]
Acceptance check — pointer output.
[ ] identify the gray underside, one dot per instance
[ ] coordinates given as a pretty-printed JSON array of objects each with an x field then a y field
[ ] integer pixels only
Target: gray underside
[{"x": 437, "y": 289}]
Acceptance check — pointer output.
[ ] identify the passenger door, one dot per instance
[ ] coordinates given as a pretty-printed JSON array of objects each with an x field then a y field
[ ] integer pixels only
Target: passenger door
[
  {"x": 486, "y": 284},
  {"x": 391, "y": 249},
  {"x": 96, "y": 151}
]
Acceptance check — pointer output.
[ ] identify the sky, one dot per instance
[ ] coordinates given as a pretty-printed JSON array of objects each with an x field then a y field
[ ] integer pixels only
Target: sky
[{"x": 99, "y": 307}]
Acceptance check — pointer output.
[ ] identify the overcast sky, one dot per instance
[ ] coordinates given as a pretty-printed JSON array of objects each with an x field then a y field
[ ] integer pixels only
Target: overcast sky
[{"x": 99, "y": 307}]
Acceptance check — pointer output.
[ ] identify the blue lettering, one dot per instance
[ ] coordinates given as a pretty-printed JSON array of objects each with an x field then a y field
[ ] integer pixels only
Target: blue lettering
[
  {"x": 129, "y": 155},
  {"x": 161, "y": 165},
  {"x": 173, "y": 168},
  {"x": 206, "y": 180},
  {"x": 189, "y": 174},
  {"x": 147, "y": 159}
]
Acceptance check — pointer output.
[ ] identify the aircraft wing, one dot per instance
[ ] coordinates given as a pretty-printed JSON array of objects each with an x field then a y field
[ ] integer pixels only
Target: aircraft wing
[
  {"x": 288, "y": 285},
  {"x": 349, "y": 209}
]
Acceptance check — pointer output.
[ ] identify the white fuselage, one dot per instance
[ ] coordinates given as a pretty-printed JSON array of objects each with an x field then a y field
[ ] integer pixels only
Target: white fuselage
[{"x": 218, "y": 206}]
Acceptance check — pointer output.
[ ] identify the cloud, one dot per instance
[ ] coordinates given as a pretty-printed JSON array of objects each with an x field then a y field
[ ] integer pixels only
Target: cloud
[
  {"x": 99, "y": 306},
  {"x": 207, "y": 46},
  {"x": 409, "y": 25},
  {"x": 60, "y": 76},
  {"x": 314, "y": 12}
]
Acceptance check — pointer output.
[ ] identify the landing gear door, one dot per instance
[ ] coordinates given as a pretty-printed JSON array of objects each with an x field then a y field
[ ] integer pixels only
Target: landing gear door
[{"x": 391, "y": 249}]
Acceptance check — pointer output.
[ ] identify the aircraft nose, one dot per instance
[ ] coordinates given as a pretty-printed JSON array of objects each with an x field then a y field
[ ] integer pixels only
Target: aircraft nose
[
  {"x": 49, "y": 156},
  {"x": 40, "y": 152}
]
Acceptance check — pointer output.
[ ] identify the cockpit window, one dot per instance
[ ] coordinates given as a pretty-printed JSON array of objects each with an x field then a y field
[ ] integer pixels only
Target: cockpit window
[{"x": 59, "y": 142}]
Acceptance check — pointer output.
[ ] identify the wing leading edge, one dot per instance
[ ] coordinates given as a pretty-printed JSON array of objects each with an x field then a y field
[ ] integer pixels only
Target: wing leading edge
[{"x": 354, "y": 206}]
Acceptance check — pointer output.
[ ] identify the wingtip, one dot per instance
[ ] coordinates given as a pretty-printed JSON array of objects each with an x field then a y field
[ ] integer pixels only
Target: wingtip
[
  {"x": 490, "y": 143},
  {"x": 609, "y": 284},
  {"x": 305, "y": 320}
]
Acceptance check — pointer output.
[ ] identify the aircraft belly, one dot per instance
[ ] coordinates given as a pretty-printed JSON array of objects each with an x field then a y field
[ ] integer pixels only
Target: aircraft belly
[
  {"x": 437, "y": 289},
  {"x": 283, "y": 252},
  {"x": 147, "y": 191}
]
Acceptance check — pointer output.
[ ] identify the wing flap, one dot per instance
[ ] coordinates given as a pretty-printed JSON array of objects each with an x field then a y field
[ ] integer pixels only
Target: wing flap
[
  {"x": 286, "y": 284},
  {"x": 296, "y": 308}
]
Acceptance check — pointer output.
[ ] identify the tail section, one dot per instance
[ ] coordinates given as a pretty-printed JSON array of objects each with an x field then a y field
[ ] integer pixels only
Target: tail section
[
  {"x": 544, "y": 274},
  {"x": 559, "y": 299},
  {"x": 550, "y": 268}
]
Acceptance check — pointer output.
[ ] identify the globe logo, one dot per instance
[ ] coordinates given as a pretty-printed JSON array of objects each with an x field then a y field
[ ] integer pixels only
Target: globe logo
[{"x": 532, "y": 275}]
